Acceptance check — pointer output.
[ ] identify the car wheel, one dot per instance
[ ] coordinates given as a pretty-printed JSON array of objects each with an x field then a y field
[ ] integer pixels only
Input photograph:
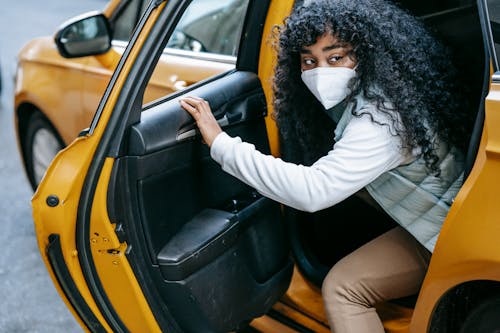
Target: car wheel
[
  {"x": 483, "y": 318},
  {"x": 41, "y": 144}
]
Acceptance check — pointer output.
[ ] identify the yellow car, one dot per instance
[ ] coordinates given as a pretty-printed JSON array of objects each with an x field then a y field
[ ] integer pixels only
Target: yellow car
[
  {"x": 58, "y": 90},
  {"x": 142, "y": 232}
]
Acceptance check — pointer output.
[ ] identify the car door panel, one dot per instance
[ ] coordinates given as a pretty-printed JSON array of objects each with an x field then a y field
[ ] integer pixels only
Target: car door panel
[
  {"x": 238, "y": 95},
  {"x": 160, "y": 238},
  {"x": 216, "y": 249}
]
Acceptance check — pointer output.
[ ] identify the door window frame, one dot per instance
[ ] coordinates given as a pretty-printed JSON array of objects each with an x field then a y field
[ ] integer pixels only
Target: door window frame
[
  {"x": 126, "y": 111},
  {"x": 488, "y": 35},
  {"x": 206, "y": 56}
]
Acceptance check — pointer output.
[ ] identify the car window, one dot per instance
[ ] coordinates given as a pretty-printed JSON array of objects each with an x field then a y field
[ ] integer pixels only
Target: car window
[
  {"x": 493, "y": 7},
  {"x": 423, "y": 8},
  {"x": 210, "y": 26},
  {"x": 125, "y": 18},
  {"x": 204, "y": 43}
]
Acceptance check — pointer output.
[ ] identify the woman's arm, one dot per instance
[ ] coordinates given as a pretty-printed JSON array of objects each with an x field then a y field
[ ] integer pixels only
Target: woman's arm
[{"x": 365, "y": 151}]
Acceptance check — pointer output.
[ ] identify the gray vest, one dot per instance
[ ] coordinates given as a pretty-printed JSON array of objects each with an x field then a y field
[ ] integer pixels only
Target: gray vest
[{"x": 419, "y": 202}]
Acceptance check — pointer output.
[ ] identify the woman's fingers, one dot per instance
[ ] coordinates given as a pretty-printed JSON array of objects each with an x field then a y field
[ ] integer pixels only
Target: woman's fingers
[
  {"x": 197, "y": 103},
  {"x": 189, "y": 108},
  {"x": 200, "y": 110}
]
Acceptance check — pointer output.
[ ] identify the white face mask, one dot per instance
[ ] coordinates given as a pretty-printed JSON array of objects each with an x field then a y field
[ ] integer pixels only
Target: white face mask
[{"x": 328, "y": 84}]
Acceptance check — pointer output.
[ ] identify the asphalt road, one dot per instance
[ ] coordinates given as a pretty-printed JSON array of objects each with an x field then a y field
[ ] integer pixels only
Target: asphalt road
[{"x": 28, "y": 300}]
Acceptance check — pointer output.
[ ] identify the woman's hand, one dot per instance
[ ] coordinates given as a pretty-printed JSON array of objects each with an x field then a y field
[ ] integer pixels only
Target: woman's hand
[{"x": 199, "y": 109}]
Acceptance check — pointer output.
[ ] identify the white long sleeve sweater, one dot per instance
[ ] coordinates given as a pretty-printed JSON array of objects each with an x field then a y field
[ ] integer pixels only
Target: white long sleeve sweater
[{"x": 364, "y": 152}]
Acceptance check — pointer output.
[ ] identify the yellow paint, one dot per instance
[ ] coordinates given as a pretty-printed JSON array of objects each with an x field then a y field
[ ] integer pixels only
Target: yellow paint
[
  {"x": 468, "y": 247},
  {"x": 306, "y": 297},
  {"x": 65, "y": 178},
  {"x": 278, "y": 10},
  {"x": 395, "y": 318},
  {"x": 53, "y": 84},
  {"x": 115, "y": 273},
  {"x": 111, "y": 7},
  {"x": 70, "y": 167},
  {"x": 268, "y": 324}
]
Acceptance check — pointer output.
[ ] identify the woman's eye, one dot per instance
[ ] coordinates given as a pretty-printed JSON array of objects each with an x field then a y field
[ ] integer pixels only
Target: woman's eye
[
  {"x": 308, "y": 62},
  {"x": 335, "y": 59}
]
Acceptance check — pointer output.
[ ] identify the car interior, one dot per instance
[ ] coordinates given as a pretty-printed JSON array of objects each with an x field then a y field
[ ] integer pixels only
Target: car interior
[
  {"x": 317, "y": 240},
  {"x": 209, "y": 250}
]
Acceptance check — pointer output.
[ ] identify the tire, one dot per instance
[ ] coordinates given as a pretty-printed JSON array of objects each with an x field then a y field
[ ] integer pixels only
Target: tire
[
  {"x": 484, "y": 318},
  {"x": 41, "y": 144}
]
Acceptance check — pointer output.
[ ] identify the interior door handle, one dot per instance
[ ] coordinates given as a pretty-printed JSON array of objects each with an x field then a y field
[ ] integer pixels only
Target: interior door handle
[{"x": 224, "y": 121}]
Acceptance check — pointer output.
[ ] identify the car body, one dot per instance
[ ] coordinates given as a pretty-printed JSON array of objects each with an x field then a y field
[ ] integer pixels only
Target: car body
[
  {"x": 141, "y": 231},
  {"x": 45, "y": 122}
]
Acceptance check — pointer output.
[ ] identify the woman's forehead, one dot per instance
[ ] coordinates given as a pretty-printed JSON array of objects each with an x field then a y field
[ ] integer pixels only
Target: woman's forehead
[{"x": 326, "y": 41}]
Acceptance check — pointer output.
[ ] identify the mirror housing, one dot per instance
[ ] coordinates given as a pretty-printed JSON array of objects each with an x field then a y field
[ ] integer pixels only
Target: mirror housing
[{"x": 85, "y": 35}]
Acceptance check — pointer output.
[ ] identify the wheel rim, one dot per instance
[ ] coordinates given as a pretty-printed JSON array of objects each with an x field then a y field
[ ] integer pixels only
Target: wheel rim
[{"x": 45, "y": 148}]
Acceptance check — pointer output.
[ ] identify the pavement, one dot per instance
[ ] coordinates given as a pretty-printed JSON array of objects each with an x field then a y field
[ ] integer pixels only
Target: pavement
[{"x": 28, "y": 300}]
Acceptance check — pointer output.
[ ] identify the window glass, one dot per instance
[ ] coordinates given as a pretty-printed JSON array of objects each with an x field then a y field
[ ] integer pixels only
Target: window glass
[
  {"x": 126, "y": 17},
  {"x": 494, "y": 16},
  {"x": 430, "y": 7},
  {"x": 211, "y": 26},
  {"x": 204, "y": 44}
]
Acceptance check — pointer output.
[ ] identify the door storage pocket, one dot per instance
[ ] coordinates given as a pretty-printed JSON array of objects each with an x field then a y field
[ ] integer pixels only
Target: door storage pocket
[
  {"x": 224, "y": 268},
  {"x": 200, "y": 241}
]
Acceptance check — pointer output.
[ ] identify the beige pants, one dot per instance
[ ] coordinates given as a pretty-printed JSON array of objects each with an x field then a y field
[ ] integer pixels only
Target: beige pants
[{"x": 391, "y": 266}]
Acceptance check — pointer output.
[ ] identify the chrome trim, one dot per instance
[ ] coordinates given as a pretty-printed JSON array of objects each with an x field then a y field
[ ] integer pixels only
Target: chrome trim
[
  {"x": 79, "y": 18},
  {"x": 214, "y": 57},
  {"x": 446, "y": 11},
  {"x": 496, "y": 77},
  {"x": 185, "y": 135},
  {"x": 192, "y": 133},
  {"x": 119, "y": 43},
  {"x": 201, "y": 56}
]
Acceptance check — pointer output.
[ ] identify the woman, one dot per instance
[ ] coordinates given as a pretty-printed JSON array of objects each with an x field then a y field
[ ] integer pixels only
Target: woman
[{"x": 367, "y": 79}]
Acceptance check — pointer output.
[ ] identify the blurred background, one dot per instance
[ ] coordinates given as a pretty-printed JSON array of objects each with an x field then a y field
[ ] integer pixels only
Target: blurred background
[{"x": 28, "y": 300}]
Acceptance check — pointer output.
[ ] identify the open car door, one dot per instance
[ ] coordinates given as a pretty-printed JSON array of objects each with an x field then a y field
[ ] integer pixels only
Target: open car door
[{"x": 140, "y": 229}]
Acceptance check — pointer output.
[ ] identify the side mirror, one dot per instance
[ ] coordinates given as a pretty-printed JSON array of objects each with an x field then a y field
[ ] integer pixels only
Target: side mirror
[{"x": 89, "y": 34}]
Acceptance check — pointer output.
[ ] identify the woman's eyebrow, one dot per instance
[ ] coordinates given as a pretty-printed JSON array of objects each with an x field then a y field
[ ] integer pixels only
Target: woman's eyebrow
[
  {"x": 333, "y": 47},
  {"x": 325, "y": 49}
]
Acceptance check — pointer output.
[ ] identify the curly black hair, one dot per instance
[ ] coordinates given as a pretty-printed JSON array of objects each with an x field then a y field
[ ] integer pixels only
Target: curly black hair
[{"x": 394, "y": 52}]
